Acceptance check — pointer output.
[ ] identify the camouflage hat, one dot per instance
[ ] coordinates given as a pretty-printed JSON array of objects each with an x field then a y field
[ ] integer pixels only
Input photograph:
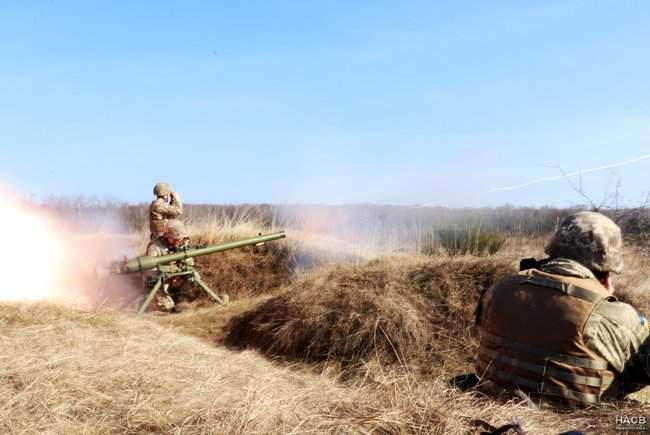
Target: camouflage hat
[
  {"x": 162, "y": 189},
  {"x": 592, "y": 239},
  {"x": 176, "y": 229}
]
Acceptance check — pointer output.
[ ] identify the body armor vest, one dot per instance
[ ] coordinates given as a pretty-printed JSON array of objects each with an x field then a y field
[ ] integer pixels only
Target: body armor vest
[{"x": 531, "y": 337}]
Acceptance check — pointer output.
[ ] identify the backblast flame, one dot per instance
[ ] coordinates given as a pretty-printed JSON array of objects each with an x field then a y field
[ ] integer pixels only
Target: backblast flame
[
  {"x": 42, "y": 258},
  {"x": 31, "y": 255}
]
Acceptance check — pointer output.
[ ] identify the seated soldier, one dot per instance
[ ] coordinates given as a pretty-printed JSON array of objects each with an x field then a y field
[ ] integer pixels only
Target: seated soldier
[
  {"x": 555, "y": 331},
  {"x": 174, "y": 238}
]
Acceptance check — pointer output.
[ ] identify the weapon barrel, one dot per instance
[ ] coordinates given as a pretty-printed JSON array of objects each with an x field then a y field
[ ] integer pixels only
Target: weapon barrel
[{"x": 141, "y": 264}]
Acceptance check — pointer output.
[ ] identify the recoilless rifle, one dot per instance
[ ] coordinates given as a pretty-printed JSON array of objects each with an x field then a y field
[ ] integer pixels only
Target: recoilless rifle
[{"x": 180, "y": 264}]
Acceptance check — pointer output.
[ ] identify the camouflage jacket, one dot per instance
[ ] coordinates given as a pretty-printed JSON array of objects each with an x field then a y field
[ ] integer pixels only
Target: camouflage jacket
[
  {"x": 157, "y": 248},
  {"x": 615, "y": 330},
  {"x": 160, "y": 211}
]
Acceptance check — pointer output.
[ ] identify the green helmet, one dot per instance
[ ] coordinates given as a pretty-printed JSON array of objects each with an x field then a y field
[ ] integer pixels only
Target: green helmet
[
  {"x": 591, "y": 239},
  {"x": 162, "y": 189},
  {"x": 176, "y": 229}
]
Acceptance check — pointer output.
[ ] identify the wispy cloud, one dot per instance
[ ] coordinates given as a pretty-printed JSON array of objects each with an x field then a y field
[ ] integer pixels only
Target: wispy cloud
[{"x": 570, "y": 174}]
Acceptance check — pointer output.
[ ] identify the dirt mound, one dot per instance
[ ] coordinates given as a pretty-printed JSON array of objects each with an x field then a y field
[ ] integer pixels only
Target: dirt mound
[
  {"x": 407, "y": 310},
  {"x": 398, "y": 329},
  {"x": 248, "y": 271},
  {"x": 245, "y": 272}
]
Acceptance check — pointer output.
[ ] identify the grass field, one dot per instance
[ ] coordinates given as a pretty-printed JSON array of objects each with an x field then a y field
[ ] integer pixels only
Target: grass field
[{"x": 321, "y": 336}]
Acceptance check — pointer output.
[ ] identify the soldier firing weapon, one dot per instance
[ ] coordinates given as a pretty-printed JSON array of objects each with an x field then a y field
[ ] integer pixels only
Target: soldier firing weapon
[{"x": 178, "y": 266}]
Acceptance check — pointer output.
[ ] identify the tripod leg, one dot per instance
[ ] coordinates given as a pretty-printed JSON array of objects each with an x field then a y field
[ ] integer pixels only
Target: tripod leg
[
  {"x": 221, "y": 299},
  {"x": 150, "y": 296}
]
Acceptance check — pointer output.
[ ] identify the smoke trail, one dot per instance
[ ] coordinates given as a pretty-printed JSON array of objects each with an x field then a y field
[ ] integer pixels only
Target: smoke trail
[{"x": 570, "y": 174}]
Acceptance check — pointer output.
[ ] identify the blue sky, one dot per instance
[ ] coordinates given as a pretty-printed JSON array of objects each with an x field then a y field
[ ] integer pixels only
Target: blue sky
[{"x": 325, "y": 102}]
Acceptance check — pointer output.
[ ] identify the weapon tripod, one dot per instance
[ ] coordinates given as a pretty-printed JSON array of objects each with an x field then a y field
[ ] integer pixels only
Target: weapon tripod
[{"x": 189, "y": 274}]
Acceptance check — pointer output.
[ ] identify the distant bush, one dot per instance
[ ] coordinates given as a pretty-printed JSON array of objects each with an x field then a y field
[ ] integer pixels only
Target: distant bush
[
  {"x": 636, "y": 225},
  {"x": 429, "y": 244},
  {"x": 462, "y": 241}
]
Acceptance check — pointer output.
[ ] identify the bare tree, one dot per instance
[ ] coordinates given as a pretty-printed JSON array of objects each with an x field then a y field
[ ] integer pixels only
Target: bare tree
[{"x": 611, "y": 204}]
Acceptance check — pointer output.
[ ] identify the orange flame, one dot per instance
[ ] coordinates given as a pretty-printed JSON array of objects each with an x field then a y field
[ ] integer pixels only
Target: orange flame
[
  {"x": 31, "y": 255},
  {"x": 42, "y": 259}
]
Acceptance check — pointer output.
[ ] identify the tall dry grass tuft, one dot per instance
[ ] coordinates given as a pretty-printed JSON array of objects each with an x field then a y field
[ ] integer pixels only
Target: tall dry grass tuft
[
  {"x": 404, "y": 310},
  {"x": 225, "y": 225},
  {"x": 454, "y": 241}
]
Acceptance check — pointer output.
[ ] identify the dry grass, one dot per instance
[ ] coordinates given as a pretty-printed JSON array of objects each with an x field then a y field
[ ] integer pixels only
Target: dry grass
[
  {"x": 408, "y": 322},
  {"x": 365, "y": 347},
  {"x": 65, "y": 371},
  {"x": 633, "y": 285},
  {"x": 407, "y": 310},
  {"x": 70, "y": 372},
  {"x": 208, "y": 321}
]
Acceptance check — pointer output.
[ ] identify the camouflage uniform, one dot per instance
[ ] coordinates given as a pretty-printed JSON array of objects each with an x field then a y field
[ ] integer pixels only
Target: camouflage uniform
[
  {"x": 161, "y": 211},
  {"x": 586, "y": 246},
  {"x": 590, "y": 238},
  {"x": 615, "y": 330},
  {"x": 159, "y": 247}
]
